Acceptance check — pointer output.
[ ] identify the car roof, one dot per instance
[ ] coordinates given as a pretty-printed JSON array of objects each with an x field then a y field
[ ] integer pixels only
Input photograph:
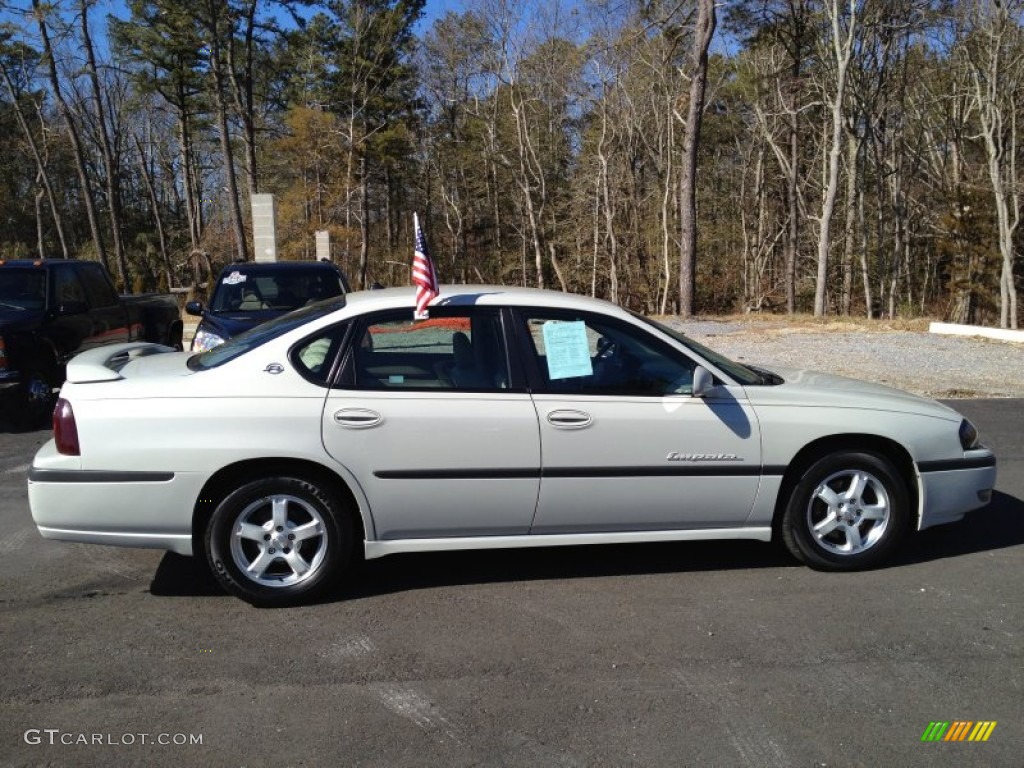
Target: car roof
[
  {"x": 38, "y": 262},
  {"x": 480, "y": 295},
  {"x": 252, "y": 267}
]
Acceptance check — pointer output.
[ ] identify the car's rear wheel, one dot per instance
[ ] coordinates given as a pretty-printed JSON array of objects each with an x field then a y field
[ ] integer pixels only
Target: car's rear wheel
[
  {"x": 279, "y": 541},
  {"x": 847, "y": 512}
]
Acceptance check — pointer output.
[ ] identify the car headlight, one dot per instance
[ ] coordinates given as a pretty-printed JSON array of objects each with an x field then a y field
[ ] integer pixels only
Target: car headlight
[
  {"x": 968, "y": 435},
  {"x": 205, "y": 341}
]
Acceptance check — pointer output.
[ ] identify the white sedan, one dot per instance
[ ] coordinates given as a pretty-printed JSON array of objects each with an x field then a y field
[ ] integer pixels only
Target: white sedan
[{"x": 510, "y": 418}]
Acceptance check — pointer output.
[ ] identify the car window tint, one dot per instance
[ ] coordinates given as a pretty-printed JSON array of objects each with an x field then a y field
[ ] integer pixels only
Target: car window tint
[
  {"x": 67, "y": 286},
  {"x": 261, "y": 334},
  {"x": 459, "y": 350},
  {"x": 742, "y": 373},
  {"x": 595, "y": 356},
  {"x": 23, "y": 288},
  {"x": 313, "y": 358},
  {"x": 241, "y": 290},
  {"x": 101, "y": 293}
]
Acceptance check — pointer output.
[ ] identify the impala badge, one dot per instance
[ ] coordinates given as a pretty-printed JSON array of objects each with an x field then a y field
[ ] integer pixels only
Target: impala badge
[{"x": 674, "y": 456}]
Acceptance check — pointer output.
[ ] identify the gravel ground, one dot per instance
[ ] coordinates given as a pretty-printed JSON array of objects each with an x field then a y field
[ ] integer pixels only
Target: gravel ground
[{"x": 924, "y": 363}]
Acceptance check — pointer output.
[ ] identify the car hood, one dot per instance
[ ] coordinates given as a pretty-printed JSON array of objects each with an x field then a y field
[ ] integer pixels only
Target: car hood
[
  {"x": 18, "y": 319},
  {"x": 812, "y": 388}
]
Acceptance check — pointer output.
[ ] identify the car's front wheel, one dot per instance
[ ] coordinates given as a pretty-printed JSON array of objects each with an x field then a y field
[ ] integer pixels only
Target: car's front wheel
[
  {"x": 847, "y": 512},
  {"x": 279, "y": 541}
]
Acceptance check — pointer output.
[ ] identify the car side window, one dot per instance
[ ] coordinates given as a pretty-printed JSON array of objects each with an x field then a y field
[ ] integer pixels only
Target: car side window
[
  {"x": 459, "y": 349},
  {"x": 314, "y": 357},
  {"x": 66, "y": 286},
  {"x": 101, "y": 293},
  {"x": 589, "y": 355}
]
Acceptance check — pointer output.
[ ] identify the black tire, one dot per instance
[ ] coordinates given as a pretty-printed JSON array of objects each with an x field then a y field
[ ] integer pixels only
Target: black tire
[
  {"x": 34, "y": 404},
  {"x": 859, "y": 528},
  {"x": 263, "y": 514},
  {"x": 175, "y": 335}
]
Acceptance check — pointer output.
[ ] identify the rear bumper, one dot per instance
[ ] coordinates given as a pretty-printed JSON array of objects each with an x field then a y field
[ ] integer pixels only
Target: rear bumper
[
  {"x": 949, "y": 490},
  {"x": 127, "y": 509}
]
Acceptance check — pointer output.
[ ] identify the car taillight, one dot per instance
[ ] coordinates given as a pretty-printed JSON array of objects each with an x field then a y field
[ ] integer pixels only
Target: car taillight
[
  {"x": 3, "y": 355},
  {"x": 65, "y": 431}
]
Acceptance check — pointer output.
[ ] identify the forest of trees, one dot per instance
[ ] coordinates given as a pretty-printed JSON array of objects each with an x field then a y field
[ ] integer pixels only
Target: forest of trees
[{"x": 853, "y": 157}]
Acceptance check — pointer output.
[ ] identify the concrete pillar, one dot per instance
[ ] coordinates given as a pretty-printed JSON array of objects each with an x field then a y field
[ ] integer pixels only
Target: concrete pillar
[
  {"x": 323, "y": 245},
  {"x": 264, "y": 228}
]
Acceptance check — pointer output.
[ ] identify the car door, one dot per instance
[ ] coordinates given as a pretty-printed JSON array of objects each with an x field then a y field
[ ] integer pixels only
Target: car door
[
  {"x": 109, "y": 318},
  {"x": 625, "y": 446},
  {"x": 434, "y": 420}
]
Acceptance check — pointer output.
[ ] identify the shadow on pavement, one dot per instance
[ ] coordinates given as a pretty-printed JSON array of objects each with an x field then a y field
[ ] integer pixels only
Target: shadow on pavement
[
  {"x": 997, "y": 526},
  {"x": 181, "y": 576}
]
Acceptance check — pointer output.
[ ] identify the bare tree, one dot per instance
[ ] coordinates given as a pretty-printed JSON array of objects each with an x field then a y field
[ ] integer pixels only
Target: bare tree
[
  {"x": 81, "y": 163},
  {"x": 39, "y": 156},
  {"x": 703, "y": 31},
  {"x": 111, "y": 179},
  {"x": 843, "y": 24},
  {"x": 996, "y": 61}
]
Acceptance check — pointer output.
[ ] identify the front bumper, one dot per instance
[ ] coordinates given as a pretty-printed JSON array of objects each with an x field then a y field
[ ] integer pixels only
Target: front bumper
[
  {"x": 951, "y": 489},
  {"x": 128, "y": 509},
  {"x": 9, "y": 381}
]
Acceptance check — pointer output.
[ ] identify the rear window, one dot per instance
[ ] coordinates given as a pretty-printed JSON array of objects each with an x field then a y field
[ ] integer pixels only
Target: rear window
[
  {"x": 242, "y": 290},
  {"x": 261, "y": 334}
]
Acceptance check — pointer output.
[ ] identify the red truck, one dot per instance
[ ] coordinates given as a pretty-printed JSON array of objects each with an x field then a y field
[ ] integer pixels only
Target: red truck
[{"x": 51, "y": 309}]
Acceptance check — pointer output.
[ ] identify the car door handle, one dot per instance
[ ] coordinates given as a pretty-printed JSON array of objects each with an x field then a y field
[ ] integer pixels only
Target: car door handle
[
  {"x": 566, "y": 419},
  {"x": 357, "y": 418}
]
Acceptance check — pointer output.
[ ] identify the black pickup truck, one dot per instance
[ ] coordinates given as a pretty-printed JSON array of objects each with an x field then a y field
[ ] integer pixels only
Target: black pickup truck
[{"x": 51, "y": 309}]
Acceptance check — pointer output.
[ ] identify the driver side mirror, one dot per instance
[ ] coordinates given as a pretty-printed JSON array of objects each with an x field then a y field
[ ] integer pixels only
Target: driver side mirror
[
  {"x": 194, "y": 307},
  {"x": 703, "y": 382}
]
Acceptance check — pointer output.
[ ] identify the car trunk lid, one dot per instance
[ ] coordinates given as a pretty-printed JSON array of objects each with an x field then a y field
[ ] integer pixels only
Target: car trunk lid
[{"x": 119, "y": 361}]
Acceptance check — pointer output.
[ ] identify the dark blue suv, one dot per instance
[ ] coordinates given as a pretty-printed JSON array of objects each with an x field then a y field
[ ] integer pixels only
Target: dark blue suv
[{"x": 251, "y": 293}]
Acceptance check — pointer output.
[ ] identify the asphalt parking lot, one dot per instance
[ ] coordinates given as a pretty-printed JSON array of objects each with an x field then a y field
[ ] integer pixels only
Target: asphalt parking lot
[{"x": 694, "y": 654}]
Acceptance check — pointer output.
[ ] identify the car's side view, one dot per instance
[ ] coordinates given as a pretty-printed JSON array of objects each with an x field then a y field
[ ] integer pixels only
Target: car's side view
[{"x": 510, "y": 418}]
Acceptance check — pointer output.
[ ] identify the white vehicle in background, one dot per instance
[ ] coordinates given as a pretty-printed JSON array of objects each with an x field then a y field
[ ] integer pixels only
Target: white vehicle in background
[{"x": 510, "y": 418}]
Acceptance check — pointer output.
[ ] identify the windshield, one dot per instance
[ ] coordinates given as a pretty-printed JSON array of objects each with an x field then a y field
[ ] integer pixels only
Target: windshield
[
  {"x": 261, "y": 334},
  {"x": 241, "y": 290},
  {"x": 741, "y": 373},
  {"x": 22, "y": 288}
]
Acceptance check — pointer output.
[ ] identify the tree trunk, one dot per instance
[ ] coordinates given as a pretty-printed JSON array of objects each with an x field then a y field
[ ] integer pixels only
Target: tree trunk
[
  {"x": 230, "y": 177},
  {"x": 843, "y": 50},
  {"x": 793, "y": 197},
  {"x": 155, "y": 205},
  {"x": 849, "y": 239},
  {"x": 76, "y": 140},
  {"x": 705, "y": 28},
  {"x": 242, "y": 93},
  {"x": 106, "y": 149},
  {"x": 42, "y": 177},
  {"x": 364, "y": 222},
  {"x": 195, "y": 229}
]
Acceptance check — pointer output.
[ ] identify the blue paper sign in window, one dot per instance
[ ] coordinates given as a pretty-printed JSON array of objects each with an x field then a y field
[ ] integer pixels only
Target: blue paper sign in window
[{"x": 566, "y": 349}]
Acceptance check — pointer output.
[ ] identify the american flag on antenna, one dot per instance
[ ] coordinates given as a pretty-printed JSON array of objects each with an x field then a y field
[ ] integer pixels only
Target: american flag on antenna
[{"x": 424, "y": 277}]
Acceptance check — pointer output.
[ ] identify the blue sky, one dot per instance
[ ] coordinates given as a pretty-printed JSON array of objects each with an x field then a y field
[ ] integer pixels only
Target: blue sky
[{"x": 433, "y": 10}]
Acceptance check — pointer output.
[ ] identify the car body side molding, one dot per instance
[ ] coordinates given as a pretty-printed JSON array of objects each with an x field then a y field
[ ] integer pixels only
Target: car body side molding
[
  {"x": 36, "y": 475},
  {"x": 674, "y": 470},
  {"x": 374, "y": 549}
]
